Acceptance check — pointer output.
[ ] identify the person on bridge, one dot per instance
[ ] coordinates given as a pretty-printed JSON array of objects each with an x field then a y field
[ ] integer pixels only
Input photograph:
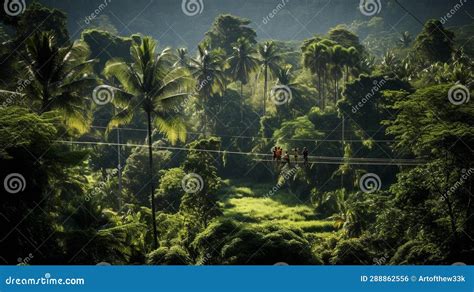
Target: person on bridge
[
  {"x": 287, "y": 158},
  {"x": 305, "y": 155},
  {"x": 275, "y": 153},
  {"x": 296, "y": 150},
  {"x": 279, "y": 153}
]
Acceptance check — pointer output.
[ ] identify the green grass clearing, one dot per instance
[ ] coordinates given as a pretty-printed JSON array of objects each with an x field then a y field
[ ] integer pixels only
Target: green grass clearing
[{"x": 247, "y": 205}]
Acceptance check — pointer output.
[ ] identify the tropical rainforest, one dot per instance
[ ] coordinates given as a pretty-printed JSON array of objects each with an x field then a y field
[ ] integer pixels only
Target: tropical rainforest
[{"x": 209, "y": 132}]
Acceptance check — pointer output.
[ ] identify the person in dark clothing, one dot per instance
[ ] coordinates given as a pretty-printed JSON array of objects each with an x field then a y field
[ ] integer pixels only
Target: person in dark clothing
[
  {"x": 305, "y": 156},
  {"x": 287, "y": 158}
]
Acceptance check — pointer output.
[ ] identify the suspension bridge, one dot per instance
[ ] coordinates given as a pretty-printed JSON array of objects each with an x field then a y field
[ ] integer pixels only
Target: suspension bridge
[{"x": 265, "y": 157}]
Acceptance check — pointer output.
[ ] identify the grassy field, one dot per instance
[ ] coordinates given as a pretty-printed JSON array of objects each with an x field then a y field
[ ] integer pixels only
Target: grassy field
[{"x": 254, "y": 206}]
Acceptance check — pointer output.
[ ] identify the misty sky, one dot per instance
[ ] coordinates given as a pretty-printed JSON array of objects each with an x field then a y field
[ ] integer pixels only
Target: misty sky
[{"x": 293, "y": 20}]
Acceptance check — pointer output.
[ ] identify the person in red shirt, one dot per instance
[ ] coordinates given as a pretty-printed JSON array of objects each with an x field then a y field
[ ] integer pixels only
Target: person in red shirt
[
  {"x": 279, "y": 153},
  {"x": 275, "y": 153}
]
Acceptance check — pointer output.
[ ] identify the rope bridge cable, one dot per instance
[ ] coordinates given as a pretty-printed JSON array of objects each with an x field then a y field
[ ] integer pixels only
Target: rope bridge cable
[
  {"x": 265, "y": 138},
  {"x": 244, "y": 128},
  {"x": 388, "y": 163},
  {"x": 265, "y": 156}
]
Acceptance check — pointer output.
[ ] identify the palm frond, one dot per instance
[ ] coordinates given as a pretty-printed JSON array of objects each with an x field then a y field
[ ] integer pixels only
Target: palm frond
[
  {"x": 81, "y": 68},
  {"x": 121, "y": 98},
  {"x": 74, "y": 116},
  {"x": 125, "y": 74},
  {"x": 180, "y": 84},
  {"x": 77, "y": 85},
  {"x": 123, "y": 117},
  {"x": 10, "y": 93},
  {"x": 78, "y": 51},
  {"x": 173, "y": 128}
]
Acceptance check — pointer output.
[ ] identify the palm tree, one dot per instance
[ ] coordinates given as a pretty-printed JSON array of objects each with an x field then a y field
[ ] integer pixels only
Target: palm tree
[
  {"x": 208, "y": 71},
  {"x": 59, "y": 78},
  {"x": 389, "y": 62},
  {"x": 242, "y": 63},
  {"x": 405, "y": 39},
  {"x": 338, "y": 60},
  {"x": 315, "y": 58},
  {"x": 345, "y": 213},
  {"x": 285, "y": 77},
  {"x": 269, "y": 61},
  {"x": 183, "y": 59},
  {"x": 153, "y": 85},
  {"x": 364, "y": 65},
  {"x": 351, "y": 62}
]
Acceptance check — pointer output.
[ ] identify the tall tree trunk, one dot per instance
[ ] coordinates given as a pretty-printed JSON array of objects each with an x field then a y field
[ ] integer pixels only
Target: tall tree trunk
[
  {"x": 343, "y": 136},
  {"x": 347, "y": 75},
  {"x": 46, "y": 102},
  {"x": 448, "y": 201},
  {"x": 119, "y": 168},
  {"x": 241, "y": 101},
  {"x": 45, "y": 106},
  {"x": 205, "y": 122},
  {"x": 320, "y": 91},
  {"x": 327, "y": 86},
  {"x": 265, "y": 91},
  {"x": 323, "y": 88},
  {"x": 152, "y": 186}
]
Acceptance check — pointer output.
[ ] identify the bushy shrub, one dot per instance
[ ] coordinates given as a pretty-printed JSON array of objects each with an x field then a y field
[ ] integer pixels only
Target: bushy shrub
[
  {"x": 168, "y": 195},
  {"x": 134, "y": 179},
  {"x": 174, "y": 255},
  {"x": 351, "y": 252},
  {"x": 416, "y": 252},
  {"x": 224, "y": 242}
]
